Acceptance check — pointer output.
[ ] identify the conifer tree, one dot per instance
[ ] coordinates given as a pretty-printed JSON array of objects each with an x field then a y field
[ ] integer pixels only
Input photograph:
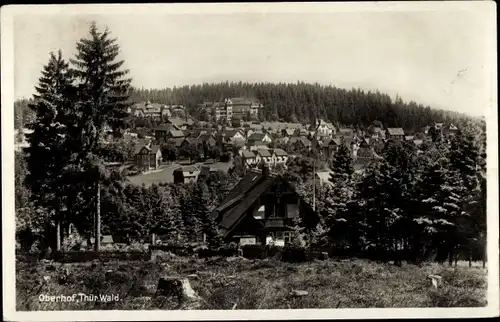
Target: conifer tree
[
  {"x": 103, "y": 96},
  {"x": 49, "y": 151}
]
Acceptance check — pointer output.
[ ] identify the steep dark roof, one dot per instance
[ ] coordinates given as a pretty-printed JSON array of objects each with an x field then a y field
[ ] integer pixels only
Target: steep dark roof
[{"x": 236, "y": 206}]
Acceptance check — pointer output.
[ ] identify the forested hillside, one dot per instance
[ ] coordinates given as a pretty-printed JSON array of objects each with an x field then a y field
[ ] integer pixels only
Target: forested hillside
[{"x": 303, "y": 102}]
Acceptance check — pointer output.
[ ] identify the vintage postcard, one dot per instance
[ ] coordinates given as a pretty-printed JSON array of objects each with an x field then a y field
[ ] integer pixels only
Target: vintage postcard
[{"x": 249, "y": 161}]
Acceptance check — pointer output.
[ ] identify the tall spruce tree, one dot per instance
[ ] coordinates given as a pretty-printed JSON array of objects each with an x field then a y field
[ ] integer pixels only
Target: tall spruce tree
[
  {"x": 103, "y": 95},
  {"x": 49, "y": 151}
]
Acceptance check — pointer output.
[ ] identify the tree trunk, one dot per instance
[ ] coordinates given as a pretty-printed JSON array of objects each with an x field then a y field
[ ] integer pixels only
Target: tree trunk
[
  {"x": 58, "y": 235},
  {"x": 98, "y": 220}
]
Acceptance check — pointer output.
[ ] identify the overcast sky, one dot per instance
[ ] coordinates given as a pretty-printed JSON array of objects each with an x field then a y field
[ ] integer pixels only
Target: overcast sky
[{"x": 442, "y": 58}]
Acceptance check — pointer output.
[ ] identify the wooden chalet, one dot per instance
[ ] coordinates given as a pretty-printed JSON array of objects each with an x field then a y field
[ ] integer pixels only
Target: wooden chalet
[{"x": 260, "y": 208}]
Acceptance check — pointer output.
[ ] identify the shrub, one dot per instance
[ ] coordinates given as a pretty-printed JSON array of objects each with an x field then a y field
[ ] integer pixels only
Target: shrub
[{"x": 294, "y": 254}]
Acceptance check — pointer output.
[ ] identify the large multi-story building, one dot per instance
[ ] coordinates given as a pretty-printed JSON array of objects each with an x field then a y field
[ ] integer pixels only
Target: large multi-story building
[{"x": 238, "y": 107}]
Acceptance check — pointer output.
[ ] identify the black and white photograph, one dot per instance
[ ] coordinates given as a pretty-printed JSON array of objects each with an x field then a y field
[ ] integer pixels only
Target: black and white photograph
[{"x": 256, "y": 161}]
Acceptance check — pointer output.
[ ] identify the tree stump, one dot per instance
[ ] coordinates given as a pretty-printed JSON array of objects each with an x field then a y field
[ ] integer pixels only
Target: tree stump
[{"x": 180, "y": 289}]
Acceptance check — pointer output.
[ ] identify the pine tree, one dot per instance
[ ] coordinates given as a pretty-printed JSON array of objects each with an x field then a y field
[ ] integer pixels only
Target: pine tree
[
  {"x": 103, "y": 96},
  {"x": 48, "y": 142},
  {"x": 342, "y": 165}
]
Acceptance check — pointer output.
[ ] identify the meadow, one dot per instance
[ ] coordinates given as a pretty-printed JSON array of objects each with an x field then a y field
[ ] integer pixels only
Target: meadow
[
  {"x": 238, "y": 283},
  {"x": 166, "y": 173}
]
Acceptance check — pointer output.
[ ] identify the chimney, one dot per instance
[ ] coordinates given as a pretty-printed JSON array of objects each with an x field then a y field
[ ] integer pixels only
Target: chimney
[{"x": 265, "y": 170}]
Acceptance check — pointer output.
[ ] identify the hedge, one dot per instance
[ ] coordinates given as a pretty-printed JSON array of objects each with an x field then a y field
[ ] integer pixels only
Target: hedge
[{"x": 71, "y": 257}]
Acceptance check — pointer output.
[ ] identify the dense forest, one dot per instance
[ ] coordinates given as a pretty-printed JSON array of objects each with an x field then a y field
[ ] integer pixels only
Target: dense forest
[
  {"x": 304, "y": 102},
  {"x": 293, "y": 102}
]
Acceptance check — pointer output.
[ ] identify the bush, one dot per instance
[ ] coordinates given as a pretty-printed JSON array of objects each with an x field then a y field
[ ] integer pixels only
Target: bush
[{"x": 294, "y": 254}]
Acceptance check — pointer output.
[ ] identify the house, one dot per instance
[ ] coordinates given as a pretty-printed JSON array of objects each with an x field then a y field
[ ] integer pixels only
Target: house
[
  {"x": 261, "y": 209},
  {"x": 395, "y": 133},
  {"x": 147, "y": 109},
  {"x": 264, "y": 156},
  {"x": 233, "y": 135},
  {"x": 288, "y": 132},
  {"x": 248, "y": 158},
  {"x": 180, "y": 123},
  {"x": 299, "y": 142},
  {"x": 177, "y": 142},
  {"x": 323, "y": 128},
  {"x": 329, "y": 147},
  {"x": 301, "y": 132},
  {"x": 175, "y": 134},
  {"x": 208, "y": 139},
  {"x": 263, "y": 137},
  {"x": 279, "y": 156},
  {"x": 208, "y": 173},
  {"x": 186, "y": 174},
  {"x": 148, "y": 157},
  {"x": 409, "y": 137},
  {"x": 418, "y": 143},
  {"x": 257, "y": 145},
  {"x": 161, "y": 132},
  {"x": 345, "y": 133}
]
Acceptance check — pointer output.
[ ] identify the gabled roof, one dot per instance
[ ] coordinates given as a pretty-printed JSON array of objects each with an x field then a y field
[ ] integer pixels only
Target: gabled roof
[
  {"x": 346, "y": 131},
  {"x": 167, "y": 127},
  {"x": 206, "y": 137},
  {"x": 264, "y": 153},
  {"x": 177, "y": 121},
  {"x": 258, "y": 143},
  {"x": 409, "y": 137},
  {"x": 395, "y": 131},
  {"x": 176, "y": 133},
  {"x": 280, "y": 153},
  {"x": 295, "y": 139},
  {"x": 289, "y": 131},
  {"x": 248, "y": 154},
  {"x": 418, "y": 142},
  {"x": 241, "y": 197},
  {"x": 177, "y": 141},
  {"x": 256, "y": 136},
  {"x": 234, "y": 207},
  {"x": 189, "y": 168}
]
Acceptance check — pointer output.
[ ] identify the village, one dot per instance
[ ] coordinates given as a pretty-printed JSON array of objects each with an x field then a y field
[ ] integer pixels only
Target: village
[
  {"x": 221, "y": 194},
  {"x": 249, "y": 143}
]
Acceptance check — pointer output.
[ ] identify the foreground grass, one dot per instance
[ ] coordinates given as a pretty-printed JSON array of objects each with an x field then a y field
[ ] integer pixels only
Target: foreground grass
[{"x": 252, "y": 284}]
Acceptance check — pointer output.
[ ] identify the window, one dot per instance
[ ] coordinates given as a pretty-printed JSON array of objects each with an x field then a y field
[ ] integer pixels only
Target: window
[
  {"x": 288, "y": 236},
  {"x": 292, "y": 210},
  {"x": 260, "y": 214},
  {"x": 279, "y": 235}
]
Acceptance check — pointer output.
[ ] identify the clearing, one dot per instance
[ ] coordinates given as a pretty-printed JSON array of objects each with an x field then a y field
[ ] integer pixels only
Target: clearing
[{"x": 252, "y": 284}]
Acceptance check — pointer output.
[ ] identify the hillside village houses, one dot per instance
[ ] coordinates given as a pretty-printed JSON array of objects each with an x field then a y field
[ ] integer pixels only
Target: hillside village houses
[{"x": 264, "y": 142}]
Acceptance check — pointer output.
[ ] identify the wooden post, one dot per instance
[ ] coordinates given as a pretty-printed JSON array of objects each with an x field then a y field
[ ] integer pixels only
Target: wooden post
[{"x": 98, "y": 219}]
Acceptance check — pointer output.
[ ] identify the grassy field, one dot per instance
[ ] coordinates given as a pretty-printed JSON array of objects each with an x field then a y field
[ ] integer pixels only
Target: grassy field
[
  {"x": 252, "y": 284},
  {"x": 166, "y": 173}
]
